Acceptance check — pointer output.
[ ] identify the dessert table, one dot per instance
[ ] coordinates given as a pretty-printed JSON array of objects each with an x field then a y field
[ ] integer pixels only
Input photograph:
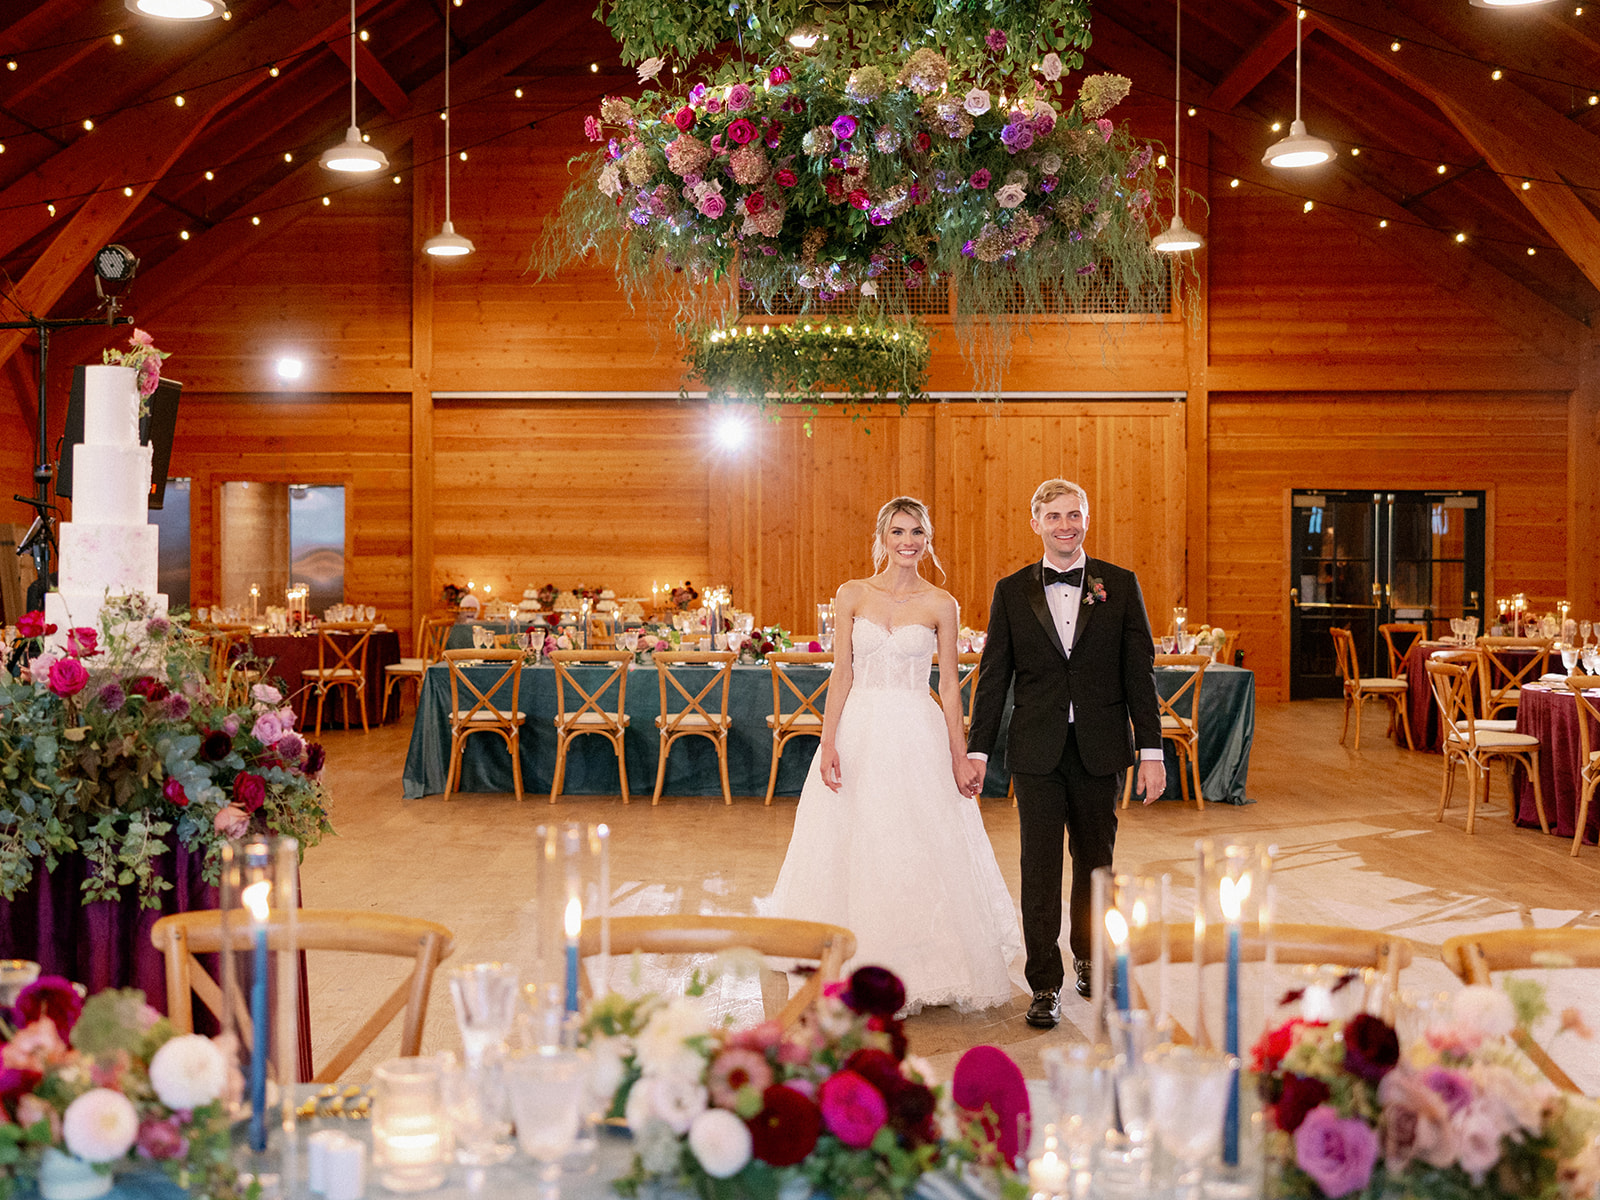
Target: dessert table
[
  {"x": 1227, "y": 727},
  {"x": 1549, "y": 712},
  {"x": 291, "y": 653}
]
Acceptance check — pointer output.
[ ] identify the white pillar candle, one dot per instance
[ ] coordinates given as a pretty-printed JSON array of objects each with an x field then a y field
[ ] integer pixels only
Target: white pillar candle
[{"x": 345, "y": 1167}]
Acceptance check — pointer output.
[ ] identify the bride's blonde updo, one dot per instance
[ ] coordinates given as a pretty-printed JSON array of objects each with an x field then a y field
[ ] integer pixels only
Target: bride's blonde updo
[{"x": 918, "y": 512}]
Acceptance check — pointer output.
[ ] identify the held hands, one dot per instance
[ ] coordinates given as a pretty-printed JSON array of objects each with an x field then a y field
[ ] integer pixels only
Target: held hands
[
  {"x": 829, "y": 763},
  {"x": 1152, "y": 779},
  {"x": 970, "y": 773}
]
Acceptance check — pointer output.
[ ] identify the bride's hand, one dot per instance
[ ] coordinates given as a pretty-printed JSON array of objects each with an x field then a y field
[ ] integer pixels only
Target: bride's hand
[{"x": 831, "y": 778}]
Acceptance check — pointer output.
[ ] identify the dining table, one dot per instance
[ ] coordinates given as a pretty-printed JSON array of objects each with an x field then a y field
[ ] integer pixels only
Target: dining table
[
  {"x": 1227, "y": 728},
  {"x": 1549, "y": 712},
  {"x": 1420, "y": 705},
  {"x": 291, "y": 653}
]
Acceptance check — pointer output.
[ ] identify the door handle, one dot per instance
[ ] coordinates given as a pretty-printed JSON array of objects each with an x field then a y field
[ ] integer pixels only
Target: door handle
[{"x": 1294, "y": 597}]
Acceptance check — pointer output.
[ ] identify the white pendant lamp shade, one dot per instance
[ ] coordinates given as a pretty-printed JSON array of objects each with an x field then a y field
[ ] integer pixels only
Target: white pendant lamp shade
[
  {"x": 1508, "y": 3},
  {"x": 1176, "y": 238},
  {"x": 1299, "y": 149},
  {"x": 178, "y": 10},
  {"x": 353, "y": 154},
  {"x": 447, "y": 243}
]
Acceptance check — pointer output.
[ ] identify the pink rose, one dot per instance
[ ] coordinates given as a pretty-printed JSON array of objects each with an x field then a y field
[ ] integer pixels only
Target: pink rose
[
  {"x": 173, "y": 791},
  {"x": 31, "y": 625},
  {"x": 980, "y": 179},
  {"x": 1338, "y": 1153},
  {"x": 591, "y": 129},
  {"x": 161, "y": 1140},
  {"x": 231, "y": 821},
  {"x": 67, "y": 677},
  {"x": 713, "y": 106},
  {"x": 786, "y": 177},
  {"x": 860, "y": 199},
  {"x": 149, "y": 377},
  {"x": 741, "y": 131},
  {"x": 1105, "y": 127},
  {"x": 739, "y": 97},
  {"x": 778, "y": 74},
  {"x": 1479, "y": 1132},
  {"x": 713, "y": 206},
  {"x": 82, "y": 642},
  {"x": 141, "y": 338},
  {"x": 268, "y": 728},
  {"x": 684, "y": 119},
  {"x": 852, "y": 1109}
]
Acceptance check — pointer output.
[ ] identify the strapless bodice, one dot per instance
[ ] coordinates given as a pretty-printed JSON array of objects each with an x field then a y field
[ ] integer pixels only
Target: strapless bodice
[{"x": 898, "y": 659}]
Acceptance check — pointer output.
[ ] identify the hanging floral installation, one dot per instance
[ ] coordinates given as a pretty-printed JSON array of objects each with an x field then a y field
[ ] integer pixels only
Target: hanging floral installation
[
  {"x": 907, "y": 146},
  {"x": 812, "y": 363}
]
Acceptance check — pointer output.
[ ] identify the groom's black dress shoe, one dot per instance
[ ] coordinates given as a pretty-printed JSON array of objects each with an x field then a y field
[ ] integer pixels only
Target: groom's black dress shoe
[
  {"x": 1045, "y": 1010},
  {"x": 1085, "y": 983}
]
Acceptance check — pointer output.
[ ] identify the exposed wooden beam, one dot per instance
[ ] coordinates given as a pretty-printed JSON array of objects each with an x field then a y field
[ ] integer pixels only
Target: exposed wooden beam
[
  {"x": 60, "y": 23},
  {"x": 372, "y": 73},
  {"x": 1259, "y": 61},
  {"x": 39, "y": 20}
]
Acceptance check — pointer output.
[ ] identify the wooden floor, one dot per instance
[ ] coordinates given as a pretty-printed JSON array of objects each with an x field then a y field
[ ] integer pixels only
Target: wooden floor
[{"x": 1357, "y": 842}]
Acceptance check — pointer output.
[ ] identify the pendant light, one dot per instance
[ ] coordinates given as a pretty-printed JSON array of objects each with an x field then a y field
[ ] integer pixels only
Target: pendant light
[
  {"x": 1507, "y": 3},
  {"x": 178, "y": 10},
  {"x": 447, "y": 243},
  {"x": 1178, "y": 237},
  {"x": 1299, "y": 149},
  {"x": 353, "y": 154}
]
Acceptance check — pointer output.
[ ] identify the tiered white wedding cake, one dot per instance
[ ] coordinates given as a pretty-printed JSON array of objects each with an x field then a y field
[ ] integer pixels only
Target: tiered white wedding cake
[{"x": 109, "y": 548}]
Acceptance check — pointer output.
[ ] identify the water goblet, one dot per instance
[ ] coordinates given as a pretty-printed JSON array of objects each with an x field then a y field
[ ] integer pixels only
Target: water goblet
[
  {"x": 1081, "y": 1080},
  {"x": 826, "y": 642},
  {"x": 475, "y": 1101},
  {"x": 1169, "y": 644},
  {"x": 547, "y": 1100},
  {"x": 1585, "y": 628},
  {"x": 1188, "y": 1098},
  {"x": 1570, "y": 654},
  {"x": 630, "y": 640},
  {"x": 485, "y": 996}
]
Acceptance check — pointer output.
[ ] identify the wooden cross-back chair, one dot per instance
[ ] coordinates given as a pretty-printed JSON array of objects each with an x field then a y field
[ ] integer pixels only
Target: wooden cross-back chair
[
  {"x": 1466, "y": 742},
  {"x": 1180, "y": 725},
  {"x": 341, "y": 664},
  {"x": 1500, "y": 679},
  {"x": 1379, "y": 956},
  {"x": 482, "y": 713},
  {"x": 1358, "y": 689},
  {"x": 592, "y": 714},
  {"x": 182, "y": 936},
  {"x": 684, "y": 713},
  {"x": 1588, "y": 751},
  {"x": 431, "y": 634},
  {"x": 795, "y": 711},
  {"x": 1474, "y": 957},
  {"x": 829, "y": 946},
  {"x": 1398, "y": 638},
  {"x": 967, "y": 674},
  {"x": 229, "y": 646}
]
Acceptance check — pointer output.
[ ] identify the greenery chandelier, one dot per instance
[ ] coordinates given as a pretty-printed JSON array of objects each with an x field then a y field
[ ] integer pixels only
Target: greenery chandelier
[{"x": 910, "y": 145}]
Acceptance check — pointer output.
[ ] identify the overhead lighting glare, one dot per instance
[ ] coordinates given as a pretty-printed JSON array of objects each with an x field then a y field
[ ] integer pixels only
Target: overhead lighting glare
[
  {"x": 447, "y": 243},
  {"x": 1177, "y": 237},
  {"x": 352, "y": 154},
  {"x": 178, "y": 10},
  {"x": 290, "y": 368},
  {"x": 1299, "y": 149}
]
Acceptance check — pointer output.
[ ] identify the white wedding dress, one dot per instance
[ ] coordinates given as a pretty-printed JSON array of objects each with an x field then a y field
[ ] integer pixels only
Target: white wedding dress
[{"x": 898, "y": 855}]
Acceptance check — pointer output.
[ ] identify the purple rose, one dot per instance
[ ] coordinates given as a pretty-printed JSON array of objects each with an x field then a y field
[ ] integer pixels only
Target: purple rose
[
  {"x": 844, "y": 127},
  {"x": 1454, "y": 1088},
  {"x": 1371, "y": 1048},
  {"x": 231, "y": 724},
  {"x": 1337, "y": 1153},
  {"x": 161, "y": 1140},
  {"x": 739, "y": 97},
  {"x": 1415, "y": 1124},
  {"x": 741, "y": 131},
  {"x": 269, "y": 727},
  {"x": 249, "y": 791},
  {"x": 173, "y": 791},
  {"x": 713, "y": 205},
  {"x": 980, "y": 178},
  {"x": 67, "y": 677}
]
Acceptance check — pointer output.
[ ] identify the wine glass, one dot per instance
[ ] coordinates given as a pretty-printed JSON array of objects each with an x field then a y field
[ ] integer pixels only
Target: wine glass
[
  {"x": 1134, "y": 1034},
  {"x": 475, "y": 1101},
  {"x": 1569, "y": 656},
  {"x": 547, "y": 1098},
  {"x": 1169, "y": 644},
  {"x": 1585, "y": 628},
  {"x": 1188, "y": 1100},
  {"x": 485, "y": 996},
  {"x": 1591, "y": 659},
  {"x": 630, "y": 641},
  {"x": 826, "y": 642},
  {"x": 1080, "y": 1078}
]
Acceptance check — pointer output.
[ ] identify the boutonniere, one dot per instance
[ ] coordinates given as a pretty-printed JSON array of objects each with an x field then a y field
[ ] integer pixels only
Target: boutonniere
[{"x": 1096, "y": 592}]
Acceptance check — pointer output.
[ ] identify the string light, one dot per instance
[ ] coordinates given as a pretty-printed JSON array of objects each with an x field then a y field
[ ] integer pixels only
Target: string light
[
  {"x": 1233, "y": 183},
  {"x": 127, "y": 191},
  {"x": 178, "y": 100},
  {"x": 88, "y": 123},
  {"x": 51, "y": 209},
  {"x": 255, "y": 220},
  {"x": 184, "y": 234},
  {"x": 364, "y": 35},
  {"x": 1383, "y": 224},
  {"x": 116, "y": 39},
  {"x": 397, "y": 179},
  {"x": 517, "y": 93},
  {"x": 1461, "y": 237},
  {"x": 273, "y": 71},
  {"x": 288, "y": 156},
  {"x": 1355, "y": 151},
  {"x": 1395, "y": 45},
  {"x": 1308, "y": 206},
  {"x": 326, "y": 201},
  {"x": 1496, "y": 74},
  {"x": 210, "y": 175},
  {"x": 1531, "y": 250},
  {"x": 1442, "y": 169}
]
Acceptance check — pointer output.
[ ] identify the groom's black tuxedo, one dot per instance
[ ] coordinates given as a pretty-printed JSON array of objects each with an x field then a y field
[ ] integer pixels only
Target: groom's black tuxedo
[{"x": 1066, "y": 775}]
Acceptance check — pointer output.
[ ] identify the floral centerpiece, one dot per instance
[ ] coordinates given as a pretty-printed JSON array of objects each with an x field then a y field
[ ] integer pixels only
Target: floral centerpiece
[
  {"x": 145, "y": 360},
  {"x": 118, "y": 744},
  {"x": 911, "y": 144},
  {"x": 833, "y": 1103},
  {"x": 1461, "y": 1112},
  {"x": 105, "y": 1081}
]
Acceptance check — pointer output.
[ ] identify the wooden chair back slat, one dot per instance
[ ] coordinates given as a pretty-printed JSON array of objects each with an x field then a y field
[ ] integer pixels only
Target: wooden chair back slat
[
  {"x": 592, "y": 714},
  {"x": 790, "y": 703},
  {"x": 483, "y": 714},
  {"x": 1499, "y": 679},
  {"x": 665, "y": 661},
  {"x": 1399, "y": 637},
  {"x": 1589, "y": 776},
  {"x": 181, "y": 937},
  {"x": 1188, "y": 721}
]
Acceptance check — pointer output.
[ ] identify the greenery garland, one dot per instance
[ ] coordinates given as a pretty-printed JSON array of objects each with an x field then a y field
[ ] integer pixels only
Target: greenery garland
[
  {"x": 920, "y": 142},
  {"x": 804, "y": 362}
]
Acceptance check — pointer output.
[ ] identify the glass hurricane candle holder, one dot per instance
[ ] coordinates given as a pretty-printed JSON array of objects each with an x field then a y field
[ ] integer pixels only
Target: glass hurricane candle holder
[
  {"x": 572, "y": 883},
  {"x": 1129, "y": 914}
]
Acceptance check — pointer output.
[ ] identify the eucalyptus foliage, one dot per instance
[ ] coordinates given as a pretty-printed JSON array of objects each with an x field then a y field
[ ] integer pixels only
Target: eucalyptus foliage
[{"x": 812, "y": 363}]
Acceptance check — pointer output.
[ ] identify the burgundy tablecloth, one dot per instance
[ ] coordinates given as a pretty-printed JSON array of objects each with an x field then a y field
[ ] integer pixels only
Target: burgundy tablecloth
[
  {"x": 1551, "y": 715},
  {"x": 293, "y": 653},
  {"x": 1420, "y": 706}
]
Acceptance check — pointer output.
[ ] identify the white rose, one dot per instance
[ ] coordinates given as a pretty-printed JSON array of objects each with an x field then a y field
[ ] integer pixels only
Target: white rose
[
  {"x": 605, "y": 1068},
  {"x": 650, "y": 68},
  {"x": 610, "y": 182},
  {"x": 640, "y": 1110},
  {"x": 662, "y": 1044},
  {"x": 1050, "y": 163},
  {"x": 1485, "y": 1010},
  {"x": 100, "y": 1125},
  {"x": 1051, "y": 66},
  {"x": 188, "y": 1071},
  {"x": 869, "y": 288},
  {"x": 1011, "y": 195},
  {"x": 976, "y": 102},
  {"x": 678, "y": 1101},
  {"x": 721, "y": 1141}
]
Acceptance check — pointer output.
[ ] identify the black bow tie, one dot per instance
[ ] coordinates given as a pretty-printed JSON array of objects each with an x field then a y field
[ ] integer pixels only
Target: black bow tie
[{"x": 1072, "y": 578}]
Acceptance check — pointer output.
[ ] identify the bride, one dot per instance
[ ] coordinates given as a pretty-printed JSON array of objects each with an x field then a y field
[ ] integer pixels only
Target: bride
[{"x": 885, "y": 841}]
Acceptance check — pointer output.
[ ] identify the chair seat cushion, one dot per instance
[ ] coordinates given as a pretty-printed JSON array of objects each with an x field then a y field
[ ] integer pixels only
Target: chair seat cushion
[
  {"x": 693, "y": 720},
  {"x": 1169, "y": 724},
  {"x": 1382, "y": 683},
  {"x": 407, "y": 666},
  {"x": 794, "y": 724},
  {"x": 592, "y": 719},
  {"x": 485, "y": 716},
  {"x": 1495, "y": 739},
  {"x": 330, "y": 673},
  {"x": 1498, "y": 725}
]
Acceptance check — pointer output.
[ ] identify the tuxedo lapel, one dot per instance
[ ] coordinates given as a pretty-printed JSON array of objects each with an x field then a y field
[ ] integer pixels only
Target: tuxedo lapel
[
  {"x": 1033, "y": 585},
  {"x": 1087, "y": 605}
]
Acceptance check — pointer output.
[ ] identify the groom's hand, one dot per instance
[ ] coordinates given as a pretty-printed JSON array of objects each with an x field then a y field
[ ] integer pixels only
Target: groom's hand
[{"x": 1152, "y": 779}]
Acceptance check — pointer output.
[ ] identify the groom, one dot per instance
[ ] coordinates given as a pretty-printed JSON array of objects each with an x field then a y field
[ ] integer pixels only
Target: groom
[{"x": 1070, "y": 633}]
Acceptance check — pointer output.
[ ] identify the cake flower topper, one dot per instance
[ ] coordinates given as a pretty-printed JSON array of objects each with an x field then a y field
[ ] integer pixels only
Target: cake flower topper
[{"x": 145, "y": 360}]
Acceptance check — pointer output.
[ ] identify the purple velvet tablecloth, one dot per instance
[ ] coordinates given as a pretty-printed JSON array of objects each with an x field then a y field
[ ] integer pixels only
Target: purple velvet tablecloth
[
  {"x": 1551, "y": 715},
  {"x": 1420, "y": 706},
  {"x": 293, "y": 653}
]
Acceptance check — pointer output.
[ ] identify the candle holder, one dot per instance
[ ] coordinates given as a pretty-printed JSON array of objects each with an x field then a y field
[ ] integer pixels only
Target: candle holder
[
  {"x": 572, "y": 883},
  {"x": 261, "y": 993},
  {"x": 1233, "y": 925},
  {"x": 1129, "y": 913},
  {"x": 411, "y": 1136}
]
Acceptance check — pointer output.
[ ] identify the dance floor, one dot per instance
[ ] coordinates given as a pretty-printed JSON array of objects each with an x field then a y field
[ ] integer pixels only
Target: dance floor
[{"x": 1357, "y": 842}]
